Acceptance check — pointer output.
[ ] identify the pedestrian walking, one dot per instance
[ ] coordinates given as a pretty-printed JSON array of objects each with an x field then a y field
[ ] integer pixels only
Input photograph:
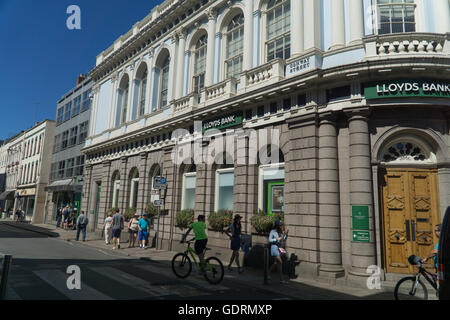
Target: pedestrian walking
[
  {"x": 275, "y": 238},
  {"x": 117, "y": 227},
  {"x": 235, "y": 237},
  {"x": 66, "y": 214},
  {"x": 82, "y": 222},
  {"x": 143, "y": 230},
  {"x": 133, "y": 230},
  {"x": 108, "y": 231},
  {"x": 58, "y": 217}
]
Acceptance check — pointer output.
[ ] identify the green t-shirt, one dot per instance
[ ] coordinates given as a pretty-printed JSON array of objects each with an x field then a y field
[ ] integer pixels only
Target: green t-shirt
[{"x": 199, "y": 230}]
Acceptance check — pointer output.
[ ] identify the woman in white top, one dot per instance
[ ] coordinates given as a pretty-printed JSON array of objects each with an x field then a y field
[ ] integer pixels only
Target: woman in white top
[
  {"x": 133, "y": 230},
  {"x": 275, "y": 238},
  {"x": 108, "y": 231}
]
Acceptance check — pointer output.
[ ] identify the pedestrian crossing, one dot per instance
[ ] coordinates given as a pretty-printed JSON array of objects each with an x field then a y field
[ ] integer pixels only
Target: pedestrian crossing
[{"x": 133, "y": 281}]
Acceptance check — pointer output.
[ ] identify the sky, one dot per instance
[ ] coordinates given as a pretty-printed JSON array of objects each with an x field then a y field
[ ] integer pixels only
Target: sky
[{"x": 40, "y": 58}]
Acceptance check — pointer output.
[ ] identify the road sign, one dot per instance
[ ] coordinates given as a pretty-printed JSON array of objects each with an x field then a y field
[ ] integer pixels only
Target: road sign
[
  {"x": 164, "y": 212},
  {"x": 159, "y": 183},
  {"x": 158, "y": 203}
]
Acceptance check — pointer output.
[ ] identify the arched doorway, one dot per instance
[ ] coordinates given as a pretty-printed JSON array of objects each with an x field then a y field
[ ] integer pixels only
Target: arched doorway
[{"x": 410, "y": 201}]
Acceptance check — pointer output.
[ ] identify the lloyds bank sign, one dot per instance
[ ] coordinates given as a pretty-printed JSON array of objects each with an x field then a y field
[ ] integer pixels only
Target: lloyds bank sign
[{"x": 407, "y": 88}]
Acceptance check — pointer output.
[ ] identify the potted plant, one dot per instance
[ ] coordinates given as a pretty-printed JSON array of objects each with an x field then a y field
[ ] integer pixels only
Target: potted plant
[
  {"x": 129, "y": 213},
  {"x": 184, "y": 218},
  {"x": 220, "y": 220},
  {"x": 263, "y": 223}
]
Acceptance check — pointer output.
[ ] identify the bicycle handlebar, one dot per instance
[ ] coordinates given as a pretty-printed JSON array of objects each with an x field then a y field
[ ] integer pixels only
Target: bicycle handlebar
[{"x": 188, "y": 241}]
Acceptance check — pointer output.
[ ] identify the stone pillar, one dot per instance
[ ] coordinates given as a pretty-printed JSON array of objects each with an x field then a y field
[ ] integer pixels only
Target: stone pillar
[
  {"x": 442, "y": 18},
  {"x": 312, "y": 25},
  {"x": 167, "y": 223},
  {"x": 180, "y": 63},
  {"x": 361, "y": 190},
  {"x": 329, "y": 208},
  {"x": 123, "y": 193},
  {"x": 248, "y": 36},
  {"x": 209, "y": 77},
  {"x": 356, "y": 20},
  {"x": 337, "y": 24},
  {"x": 86, "y": 188},
  {"x": 200, "y": 189},
  {"x": 297, "y": 29},
  {"x": 106, "y": 191},
  {"x": 143, "y": 181}
]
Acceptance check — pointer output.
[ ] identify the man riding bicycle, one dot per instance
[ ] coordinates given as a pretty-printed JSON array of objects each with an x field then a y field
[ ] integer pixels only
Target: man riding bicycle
[{"x": 201, "y": 239}]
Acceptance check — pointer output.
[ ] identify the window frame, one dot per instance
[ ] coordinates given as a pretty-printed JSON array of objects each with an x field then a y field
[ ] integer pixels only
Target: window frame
[
  {"x": 226, "y": 32},
  {"x": 217, "y": 187},
  {"x": 392, "y": 4},
  {"x": 284, "y": 35}
]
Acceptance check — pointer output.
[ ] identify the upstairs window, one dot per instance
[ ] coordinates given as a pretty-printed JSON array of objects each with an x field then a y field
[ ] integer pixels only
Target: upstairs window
[
  {"x": 278, "y": 42},
  {"x": 396, "y": 16},
  {"x": 142, "y": 93},
  {"x": 76, "y": 106},
  {"x": 164, "y": 93},
  {"x": 67, "y": 110},
  {"x": 200, "y": 64},
  {"x": 234, "y": 46},
  {"x": 86, "y": 100}
]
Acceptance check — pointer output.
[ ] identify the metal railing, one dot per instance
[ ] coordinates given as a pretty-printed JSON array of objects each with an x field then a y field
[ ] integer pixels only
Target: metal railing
[{"x": 6, "y": 265}]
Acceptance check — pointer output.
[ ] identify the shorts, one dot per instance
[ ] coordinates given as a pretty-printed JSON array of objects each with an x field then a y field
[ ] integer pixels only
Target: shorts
[
  {"x": 116, "y": 233},
  {"x": 200, "y": 246},
  {"x": 274, "y": 251},
  {"x": 143, "y": 235}
]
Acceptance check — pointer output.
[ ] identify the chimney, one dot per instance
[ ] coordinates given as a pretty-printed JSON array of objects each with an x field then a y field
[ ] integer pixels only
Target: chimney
[{"x": 81, "y": 79}]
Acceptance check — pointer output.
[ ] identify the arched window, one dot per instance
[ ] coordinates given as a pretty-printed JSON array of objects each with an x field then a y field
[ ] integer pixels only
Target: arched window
[
  {"x": 234, "y": 54},
  {"x": 164, "y": 85},
  {"x": 142, "y": 88},
  {"x": 278, "y": 43},
  {"x": 122, "y": 100},
  {"x": 200, "y": 64}
]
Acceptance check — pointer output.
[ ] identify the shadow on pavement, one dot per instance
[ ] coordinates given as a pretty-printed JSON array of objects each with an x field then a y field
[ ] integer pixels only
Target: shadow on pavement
[{"x": 13, "y": 229}]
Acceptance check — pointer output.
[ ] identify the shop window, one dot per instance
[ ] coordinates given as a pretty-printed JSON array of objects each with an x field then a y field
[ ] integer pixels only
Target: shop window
[
  {"x": 188, "y": 197},
  {"x": 272, "y": 189},
  {"x": 224, "y": 189}
]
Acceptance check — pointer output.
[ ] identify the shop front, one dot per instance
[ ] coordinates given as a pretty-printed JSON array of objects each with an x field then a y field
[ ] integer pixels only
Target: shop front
[
  {"x": 64, "y": 193},
  {"x": 25, "y": 201}
]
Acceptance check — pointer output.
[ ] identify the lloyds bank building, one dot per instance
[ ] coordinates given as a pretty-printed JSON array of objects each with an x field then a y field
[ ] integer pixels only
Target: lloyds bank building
[{"x": 353, "y": 97}]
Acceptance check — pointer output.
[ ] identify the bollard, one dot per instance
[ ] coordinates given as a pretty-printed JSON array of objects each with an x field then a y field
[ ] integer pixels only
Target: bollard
[{"x": 7, "y": 259}]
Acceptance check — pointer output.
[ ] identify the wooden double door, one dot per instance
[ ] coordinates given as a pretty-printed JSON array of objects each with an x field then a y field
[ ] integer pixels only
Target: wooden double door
[{"x": 411, "y": 210}]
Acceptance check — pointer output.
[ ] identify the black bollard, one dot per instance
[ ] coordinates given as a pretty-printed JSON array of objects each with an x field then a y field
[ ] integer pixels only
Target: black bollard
[{"x": 5, "y": 274}]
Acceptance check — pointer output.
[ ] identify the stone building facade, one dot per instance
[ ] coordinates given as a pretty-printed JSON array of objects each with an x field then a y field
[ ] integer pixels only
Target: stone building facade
[{"x": 355, "y": 117}]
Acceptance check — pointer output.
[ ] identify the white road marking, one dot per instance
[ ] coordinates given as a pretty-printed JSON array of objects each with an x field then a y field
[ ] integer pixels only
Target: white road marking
[
  {"x": 131, "y": 281},
  {"x": 58, "y": 280}
]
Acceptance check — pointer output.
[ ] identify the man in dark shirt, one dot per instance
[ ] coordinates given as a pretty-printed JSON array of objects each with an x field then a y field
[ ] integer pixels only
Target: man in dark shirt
[{"x": 117, "y": 227}]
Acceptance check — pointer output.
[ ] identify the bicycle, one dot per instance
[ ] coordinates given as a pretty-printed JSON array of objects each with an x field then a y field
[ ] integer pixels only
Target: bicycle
[
  {"x": 412, "y": 287},
  {"x": 213, "y": 270}
]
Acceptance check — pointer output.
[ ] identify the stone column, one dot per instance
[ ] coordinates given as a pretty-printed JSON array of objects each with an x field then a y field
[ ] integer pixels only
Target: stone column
[
  {"x": 123, "y": 193},
  {"x": 105, "y": 191},
  {"x": 180, "y": 63},
  {"x": 337, "y": 24},
  {"x": 442, "y": 18},
  {"x": 297, "y": 29},
  {"x": 209, "y": 77},
  {"x": 329, "y": 209},
  {"x": 312, "y": 25},
  {"x": 356, "y": 20},
  {"x": 143, "y": 181},
  {"x": 248, "y": 36},
  {"x": 361, "y": 190}
]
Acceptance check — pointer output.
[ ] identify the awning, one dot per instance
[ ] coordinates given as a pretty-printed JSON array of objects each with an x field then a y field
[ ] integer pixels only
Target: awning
[
  {"x": 63, "y": 185},
  {"x": 7, "y": 195}
]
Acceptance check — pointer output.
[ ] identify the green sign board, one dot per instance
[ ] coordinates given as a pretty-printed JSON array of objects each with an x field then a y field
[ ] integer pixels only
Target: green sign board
[
  {"x": 407, "y": 88},
  {"x": 223, "y": 122},
  {"x": 361, "y": 236},
  {"x": 360, "y": 217}
]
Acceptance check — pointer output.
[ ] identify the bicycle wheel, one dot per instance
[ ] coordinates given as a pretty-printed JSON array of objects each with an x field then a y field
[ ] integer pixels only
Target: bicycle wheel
[
  {"x": 181, "y": 265},
  {"x": 214, "y": 270},
  {"x": 406, "y": 289}
]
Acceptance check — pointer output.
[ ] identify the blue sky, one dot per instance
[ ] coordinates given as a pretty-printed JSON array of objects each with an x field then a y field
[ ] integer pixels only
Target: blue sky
[{"x": 40, "y": 58}]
